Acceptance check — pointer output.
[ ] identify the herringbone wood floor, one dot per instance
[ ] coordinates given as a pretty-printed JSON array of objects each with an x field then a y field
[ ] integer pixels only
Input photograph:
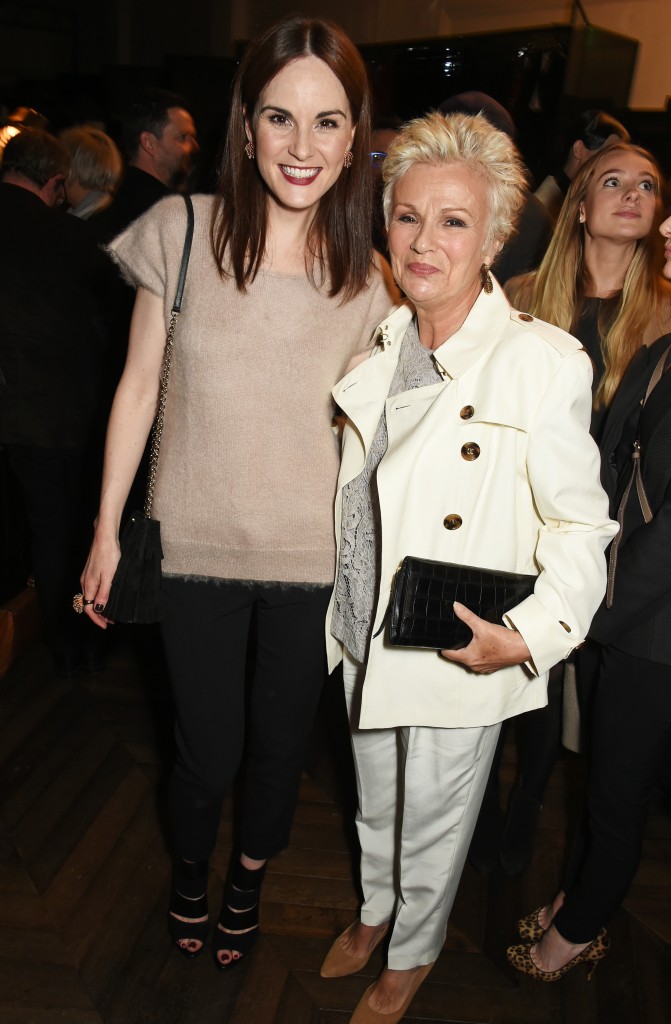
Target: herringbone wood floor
[{"x": 84, "y": 883}]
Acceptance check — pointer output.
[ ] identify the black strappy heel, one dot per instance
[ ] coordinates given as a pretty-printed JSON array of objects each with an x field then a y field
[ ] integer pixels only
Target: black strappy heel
[
  {"x": 238, "y": 926},
  {"x": 188, "y": 898}
]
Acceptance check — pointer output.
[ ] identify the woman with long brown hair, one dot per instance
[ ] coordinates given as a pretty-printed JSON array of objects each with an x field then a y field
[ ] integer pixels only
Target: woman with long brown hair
[{"x": 281, "y": 292}]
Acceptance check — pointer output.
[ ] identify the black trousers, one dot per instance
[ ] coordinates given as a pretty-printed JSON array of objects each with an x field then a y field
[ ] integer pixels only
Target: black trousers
[
  {"x": 538, "y": 736},
  {"x": 206, "y": 633},
  {"x": 630, "y": 741}
]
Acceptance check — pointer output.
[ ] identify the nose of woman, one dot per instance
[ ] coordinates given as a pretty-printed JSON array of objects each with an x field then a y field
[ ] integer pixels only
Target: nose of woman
[
  {"x": 300, "y": 146},
  {"x": 422, "y": 240}
]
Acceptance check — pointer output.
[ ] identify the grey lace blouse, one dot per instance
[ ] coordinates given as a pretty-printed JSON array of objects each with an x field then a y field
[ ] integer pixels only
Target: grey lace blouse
[{"x": 358, "y": 574}]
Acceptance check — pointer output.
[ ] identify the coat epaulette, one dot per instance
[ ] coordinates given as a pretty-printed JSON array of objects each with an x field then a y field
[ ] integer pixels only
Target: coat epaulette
[{"x": 560, "y": 340}]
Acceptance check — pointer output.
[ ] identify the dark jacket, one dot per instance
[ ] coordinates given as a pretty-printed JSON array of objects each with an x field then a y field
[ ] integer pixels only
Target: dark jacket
[
  {"x": 53, "y": 286},
  {"x": 525, "y": 249},
  {"x": 639, "y": 621},
  {"x": 137, "y": 193}
]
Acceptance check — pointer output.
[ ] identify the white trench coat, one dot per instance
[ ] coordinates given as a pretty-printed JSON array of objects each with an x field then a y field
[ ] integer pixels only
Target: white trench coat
[{"x": 530, "y": 502}]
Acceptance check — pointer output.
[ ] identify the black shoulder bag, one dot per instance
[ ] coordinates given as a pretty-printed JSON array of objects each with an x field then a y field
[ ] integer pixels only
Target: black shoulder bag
[{"x": 136, "y": 593}]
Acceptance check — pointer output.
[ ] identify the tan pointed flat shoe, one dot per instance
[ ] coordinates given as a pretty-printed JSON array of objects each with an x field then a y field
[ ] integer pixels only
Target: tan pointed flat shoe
[
  {"x": 339, "y": 963},
  {"x": 365, "y": 1014}
]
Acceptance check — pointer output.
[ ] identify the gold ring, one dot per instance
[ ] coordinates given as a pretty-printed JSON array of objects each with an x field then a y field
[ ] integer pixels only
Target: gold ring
[{"x": 78, "y": 603}]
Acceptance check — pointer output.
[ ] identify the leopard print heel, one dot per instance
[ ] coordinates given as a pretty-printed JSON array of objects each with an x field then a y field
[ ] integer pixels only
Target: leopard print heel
[
  {"x": 521, "y": 959},
  {"x": 530, "y": 927}
]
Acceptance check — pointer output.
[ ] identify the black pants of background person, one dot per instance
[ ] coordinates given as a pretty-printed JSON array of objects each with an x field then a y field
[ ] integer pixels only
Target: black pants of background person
[
  {"x": 59, "y": 489},
  {"x": 206, "y": 632},
  {"x": 630, "y": 741},
  {"x": 509, "y": 839}
]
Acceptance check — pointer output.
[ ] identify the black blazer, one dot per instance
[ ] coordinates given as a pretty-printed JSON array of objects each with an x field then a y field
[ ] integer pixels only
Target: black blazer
[
  {"x": 639, "y": 621},
  {"x": 54, "y": 288},
  {"x": 137, "y": 193}
]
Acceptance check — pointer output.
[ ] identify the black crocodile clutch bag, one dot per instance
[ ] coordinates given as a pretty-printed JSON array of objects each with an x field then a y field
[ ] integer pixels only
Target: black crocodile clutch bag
[{"x": 421, "y": 613}]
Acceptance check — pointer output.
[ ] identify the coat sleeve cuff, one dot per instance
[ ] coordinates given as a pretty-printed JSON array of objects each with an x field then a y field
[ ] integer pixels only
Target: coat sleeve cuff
[{"x": 548, "y": 639}]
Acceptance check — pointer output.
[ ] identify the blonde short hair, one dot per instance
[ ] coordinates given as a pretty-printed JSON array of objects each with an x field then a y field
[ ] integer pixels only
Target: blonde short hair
[
  {"x": 95, "y": 161},
  {"x": 470, "y": 140}
]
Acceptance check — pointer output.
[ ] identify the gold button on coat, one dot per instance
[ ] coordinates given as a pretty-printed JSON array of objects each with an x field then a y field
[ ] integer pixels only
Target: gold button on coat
[
  {"x": 528, "y": 319},
  {"x": 470, "y": 451},
  {"x": 467, "y": 412},
  {"x": 452, "y": 522}
]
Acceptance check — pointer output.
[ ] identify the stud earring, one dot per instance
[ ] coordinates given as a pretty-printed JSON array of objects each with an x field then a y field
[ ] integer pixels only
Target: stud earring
[
  {"x": 487, "y": 285},
  {"x": 348, "y": 158},
  {"x": 249, "y": 150}
]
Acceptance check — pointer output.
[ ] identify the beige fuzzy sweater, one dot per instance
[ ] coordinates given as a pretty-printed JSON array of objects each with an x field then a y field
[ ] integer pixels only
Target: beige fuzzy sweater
[{"x": 249, "y": 460}]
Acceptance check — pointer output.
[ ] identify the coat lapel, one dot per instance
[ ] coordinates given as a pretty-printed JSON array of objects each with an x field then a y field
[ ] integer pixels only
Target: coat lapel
[{"x": 362, "y": 393}]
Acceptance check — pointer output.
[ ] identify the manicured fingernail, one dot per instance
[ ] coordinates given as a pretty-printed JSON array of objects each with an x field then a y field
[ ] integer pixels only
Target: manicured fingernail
[{"x": 99, "y": 607}]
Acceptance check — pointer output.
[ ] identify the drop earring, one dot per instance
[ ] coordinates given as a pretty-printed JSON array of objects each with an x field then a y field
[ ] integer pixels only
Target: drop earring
[
  {"x": 348, "y": 159},
  {"x": 249, "y": 150},
  {"x": 487, "y": 285}
]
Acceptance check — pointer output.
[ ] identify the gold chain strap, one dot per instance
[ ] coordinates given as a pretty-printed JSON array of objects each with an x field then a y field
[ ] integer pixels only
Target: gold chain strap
[{"x": 157, "y": 428}]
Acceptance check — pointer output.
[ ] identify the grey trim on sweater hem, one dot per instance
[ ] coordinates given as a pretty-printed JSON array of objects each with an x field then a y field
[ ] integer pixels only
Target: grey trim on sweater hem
[{"x": 219, "y": 582}]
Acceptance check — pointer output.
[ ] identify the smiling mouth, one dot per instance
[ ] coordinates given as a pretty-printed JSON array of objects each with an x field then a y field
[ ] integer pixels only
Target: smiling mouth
[
  {"x": 422, "y": 269},
  {"x": 300, "y": 175}
]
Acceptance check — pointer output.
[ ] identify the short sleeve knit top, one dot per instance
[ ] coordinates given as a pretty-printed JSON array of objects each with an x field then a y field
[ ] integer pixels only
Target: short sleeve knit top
[{"x": 249, "y": 460}]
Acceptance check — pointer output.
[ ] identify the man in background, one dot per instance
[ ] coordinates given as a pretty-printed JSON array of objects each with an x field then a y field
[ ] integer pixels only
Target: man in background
[
  {"x": 53, "y": 294},
  {"x": 160, "y": 141},
  {"x": 593, "y": 130}
]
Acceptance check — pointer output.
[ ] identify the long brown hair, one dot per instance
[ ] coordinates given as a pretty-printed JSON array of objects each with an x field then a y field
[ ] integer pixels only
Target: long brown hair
[
  {"x": 339, "y": 237},
  {"x": 555, "y": 291}
]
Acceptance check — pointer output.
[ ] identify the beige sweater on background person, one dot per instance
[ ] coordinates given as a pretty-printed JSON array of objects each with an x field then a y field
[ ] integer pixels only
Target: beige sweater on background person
[{"x": 249, "y": 460}]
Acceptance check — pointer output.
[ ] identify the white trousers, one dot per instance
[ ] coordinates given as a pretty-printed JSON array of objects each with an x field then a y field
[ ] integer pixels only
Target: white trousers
[{"x": 420, "y": 791}]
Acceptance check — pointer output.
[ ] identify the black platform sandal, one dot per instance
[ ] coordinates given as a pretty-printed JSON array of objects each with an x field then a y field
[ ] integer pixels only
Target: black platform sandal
[
  {"x": 238, "y": 926},
  {"x": 188, "y": 898}
]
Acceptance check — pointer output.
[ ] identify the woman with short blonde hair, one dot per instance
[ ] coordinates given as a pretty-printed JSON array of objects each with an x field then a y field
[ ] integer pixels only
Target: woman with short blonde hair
[
  {"x": 466, "y": 442},
  {"x": 436, "y": 139}
]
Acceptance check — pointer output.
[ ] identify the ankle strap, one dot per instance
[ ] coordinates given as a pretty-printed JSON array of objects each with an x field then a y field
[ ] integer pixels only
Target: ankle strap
[
  {"x": 247, "y": 879},
  {"x": 191, "y": 870}
]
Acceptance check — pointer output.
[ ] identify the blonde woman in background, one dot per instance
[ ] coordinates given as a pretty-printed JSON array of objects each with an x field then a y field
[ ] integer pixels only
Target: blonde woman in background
[
  {"x": 631, "y": 716},
  {"x": 95, "y": 170},
  {"x": 599, "y": 280}
]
